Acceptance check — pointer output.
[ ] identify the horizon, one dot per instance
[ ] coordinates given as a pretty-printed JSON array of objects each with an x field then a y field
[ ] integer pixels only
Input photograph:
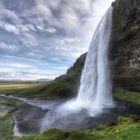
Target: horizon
[{"x": 42, "y": 39}]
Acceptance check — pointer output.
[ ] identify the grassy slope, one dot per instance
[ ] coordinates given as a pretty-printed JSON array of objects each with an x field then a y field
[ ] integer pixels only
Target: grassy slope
[
  {"x": 129, "y": 96},
  {"x": 61, "y": 87},
  {"x": 6, "y": 120}
]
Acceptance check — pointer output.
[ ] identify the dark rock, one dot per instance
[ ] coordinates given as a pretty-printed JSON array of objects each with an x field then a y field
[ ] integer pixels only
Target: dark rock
[
  {"x": 28, "y": 119},
  {"x": 67, "y": 85},
  {"x": 125, "y": 44}
]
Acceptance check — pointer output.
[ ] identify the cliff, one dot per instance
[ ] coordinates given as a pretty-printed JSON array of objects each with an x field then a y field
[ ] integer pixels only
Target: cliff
[
  {"x": 66, "y": 85},
  {"x": 124, "y": 53},
  {"x": 125, "y": 44}
]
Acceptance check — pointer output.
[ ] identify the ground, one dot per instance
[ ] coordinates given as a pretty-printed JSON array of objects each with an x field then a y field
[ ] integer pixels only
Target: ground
[
  {"x": 7, "y": 107},
  {"x": 126, "y": 128},
  {"x": 23, "y": 89}
]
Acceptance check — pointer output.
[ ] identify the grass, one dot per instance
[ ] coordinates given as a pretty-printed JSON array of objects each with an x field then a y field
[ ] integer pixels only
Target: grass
[
  {"x": 8, "y": 106},
  {"x": 17, "y": 86},
  {"x": 4, "y": 112},
  {"x": 26, "y": 89},
  {"x": 10, "y": 102},
  {"x": 6, "y": 125},
  {"x": 126, "y": 129},
  {"x": 62, "y": 87},
  {"x": 129, "y": 96}
]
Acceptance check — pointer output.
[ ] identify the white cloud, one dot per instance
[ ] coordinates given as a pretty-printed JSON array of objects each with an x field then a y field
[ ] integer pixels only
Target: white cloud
[
  {"x": 9, "y": 47},
  {"x": 29, "y": 40},
  {"x": 50, "y": 29},
  {"x": 9, "y": 27},
  {"x": 5, "y": 13},
  {"x": 27, "y": 75},
  {"x": 22, "y": 28},
  {"x": 18, "y": 65}
]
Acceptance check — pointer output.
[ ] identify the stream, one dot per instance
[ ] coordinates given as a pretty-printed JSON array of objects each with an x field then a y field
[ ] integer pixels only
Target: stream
[{"x": 38, "y": 115}]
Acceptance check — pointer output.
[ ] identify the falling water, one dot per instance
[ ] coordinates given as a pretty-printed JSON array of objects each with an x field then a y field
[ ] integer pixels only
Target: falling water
[
  {"x": 95, "y": 88},
  {"x": 95, "y": 85}
]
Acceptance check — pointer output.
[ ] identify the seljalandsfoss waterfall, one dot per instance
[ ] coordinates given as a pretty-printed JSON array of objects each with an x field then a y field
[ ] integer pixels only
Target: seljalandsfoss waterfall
[
  {"x": 95, "y": 91},
  {"x": 94, "y": 94},
  {"x": 93, "y": 105}
]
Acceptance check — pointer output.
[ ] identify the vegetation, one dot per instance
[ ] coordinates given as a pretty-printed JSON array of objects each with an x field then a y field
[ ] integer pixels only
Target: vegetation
[
  {"x": 7, "y": 107},
  {"x": 126, "y": 129},
  {"x": 129, "y": 96},
  {"x": 63, "y": 86},
  {"x": 25, "y": 89},
  {"x": 6, "y": 126}
]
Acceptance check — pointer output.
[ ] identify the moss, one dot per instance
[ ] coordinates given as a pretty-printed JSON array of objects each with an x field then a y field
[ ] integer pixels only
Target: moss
[
  {"x": 55, "y": 134},
  {"x": 126, "y": 95},
  {"x": 4, "y": 112},
  {"x": 6, "y": 119},
  {"x": 60, "y": 87},
  {"x": 6, "y": 125},
  {"x": 125, "y": 120},
  {"x": 126, "y": 129},
  {"x": 10, "y": 102}
]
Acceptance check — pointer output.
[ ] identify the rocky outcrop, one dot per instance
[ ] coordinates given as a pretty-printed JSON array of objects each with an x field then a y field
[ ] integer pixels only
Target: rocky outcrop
[
  {"x": 125, "y": 44},
  {"x": 66, "y": 85}
]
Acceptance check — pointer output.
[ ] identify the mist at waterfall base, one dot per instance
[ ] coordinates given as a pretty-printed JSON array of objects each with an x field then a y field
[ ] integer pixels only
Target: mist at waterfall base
[{"x": 94, "y": 94}]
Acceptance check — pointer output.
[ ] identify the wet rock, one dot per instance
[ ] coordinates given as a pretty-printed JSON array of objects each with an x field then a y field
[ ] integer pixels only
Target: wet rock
[
  {"x": 125, "y": 44},
  {"x": 28, "y": 119}
]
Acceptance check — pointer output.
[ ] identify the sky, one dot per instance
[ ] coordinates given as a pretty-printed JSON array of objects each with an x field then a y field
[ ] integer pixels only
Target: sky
[{"x": 41, "y": 39}]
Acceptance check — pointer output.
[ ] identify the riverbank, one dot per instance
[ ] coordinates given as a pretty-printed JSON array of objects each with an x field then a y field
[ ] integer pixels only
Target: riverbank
[
  {"x": 105, "y": 130},
  {"x": 125, "y": 129}
]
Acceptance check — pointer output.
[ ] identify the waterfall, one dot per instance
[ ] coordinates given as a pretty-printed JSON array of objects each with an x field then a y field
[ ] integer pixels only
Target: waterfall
[
  {"x": 95, "y": 92},
  {"x": 95, "y": 86}
]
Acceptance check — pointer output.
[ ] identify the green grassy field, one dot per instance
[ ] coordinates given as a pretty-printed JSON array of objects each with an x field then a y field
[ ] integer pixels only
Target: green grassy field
[{"x": 24, "y": 89}]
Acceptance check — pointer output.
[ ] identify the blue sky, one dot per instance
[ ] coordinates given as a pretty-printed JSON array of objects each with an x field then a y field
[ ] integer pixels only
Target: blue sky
[{"x": 42, "y": 38}]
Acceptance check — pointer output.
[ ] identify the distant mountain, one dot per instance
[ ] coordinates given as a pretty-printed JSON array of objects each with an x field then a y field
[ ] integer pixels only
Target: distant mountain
[{"x": 19, "y": 80}]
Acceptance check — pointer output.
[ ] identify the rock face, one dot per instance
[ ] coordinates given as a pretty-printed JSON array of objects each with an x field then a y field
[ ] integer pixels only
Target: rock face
[
  {"x": 124, "y": 52},
  {"x": 125, "y": 44},
  {"x": 67, "y": 85}
]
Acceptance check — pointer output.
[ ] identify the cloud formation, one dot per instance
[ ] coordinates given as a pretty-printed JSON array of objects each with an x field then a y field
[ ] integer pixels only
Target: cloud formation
[{"x": 49, "y": 33}]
